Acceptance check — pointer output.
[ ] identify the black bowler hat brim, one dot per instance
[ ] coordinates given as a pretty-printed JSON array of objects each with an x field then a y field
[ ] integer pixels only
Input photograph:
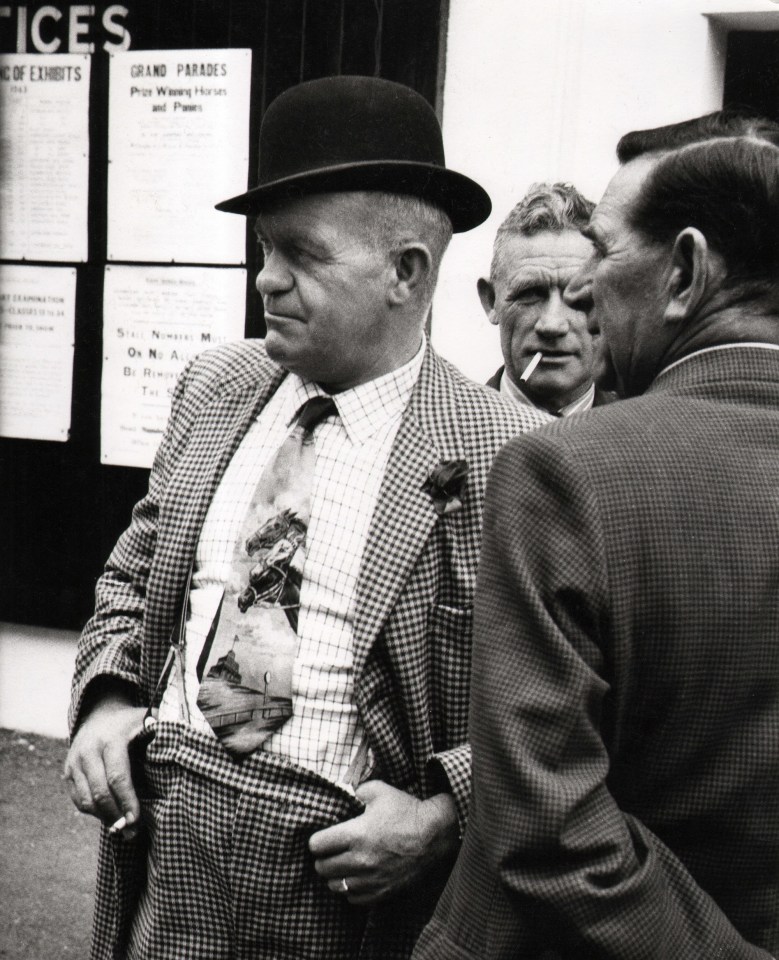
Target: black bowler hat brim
[
  {"x": 464, "y": 201},
  {"x": 357, "y": 133}
]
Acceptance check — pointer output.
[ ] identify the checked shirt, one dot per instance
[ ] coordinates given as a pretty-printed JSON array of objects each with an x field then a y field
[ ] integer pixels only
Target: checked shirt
[{"x": 351, "y": 456}]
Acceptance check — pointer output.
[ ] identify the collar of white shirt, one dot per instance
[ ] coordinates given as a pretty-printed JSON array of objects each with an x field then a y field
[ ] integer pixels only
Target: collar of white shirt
[
  {"x": 509, "y": 389},
  {"x": 368, "y": 407}
]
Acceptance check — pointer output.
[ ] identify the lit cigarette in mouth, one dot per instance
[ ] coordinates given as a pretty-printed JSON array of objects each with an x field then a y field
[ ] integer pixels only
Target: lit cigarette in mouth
[{"x": 525, "y": 375}]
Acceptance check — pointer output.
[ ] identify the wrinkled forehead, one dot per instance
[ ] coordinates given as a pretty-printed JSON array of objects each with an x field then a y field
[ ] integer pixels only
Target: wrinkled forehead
[{"x": 547, "y": 253}]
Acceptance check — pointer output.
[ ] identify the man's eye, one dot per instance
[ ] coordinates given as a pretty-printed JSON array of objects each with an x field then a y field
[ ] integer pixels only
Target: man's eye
[
  {"x": 529, "y": 295},
  {"x": 304, "y": 254}
]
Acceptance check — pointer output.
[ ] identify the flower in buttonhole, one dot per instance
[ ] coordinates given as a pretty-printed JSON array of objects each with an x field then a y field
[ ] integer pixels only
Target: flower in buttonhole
[{"x": 445, "y": 485}]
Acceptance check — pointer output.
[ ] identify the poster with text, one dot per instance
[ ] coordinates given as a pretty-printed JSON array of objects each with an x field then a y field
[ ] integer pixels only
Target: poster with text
[
  {"x": 155, "y": 319},
  {"x": 178, "y": 143},
  {"x": 37, "y": 322},
  {"x": 44, "y": 156}
]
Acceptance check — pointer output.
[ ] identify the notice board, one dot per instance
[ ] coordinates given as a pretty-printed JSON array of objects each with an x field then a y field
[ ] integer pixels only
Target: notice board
[{"x": 63, "y": 506}]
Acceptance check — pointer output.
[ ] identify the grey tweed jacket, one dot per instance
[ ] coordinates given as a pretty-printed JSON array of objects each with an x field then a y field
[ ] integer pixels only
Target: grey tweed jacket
[
  {"x": 413, "y": 615},
  {"x": 625, "y": 724}
]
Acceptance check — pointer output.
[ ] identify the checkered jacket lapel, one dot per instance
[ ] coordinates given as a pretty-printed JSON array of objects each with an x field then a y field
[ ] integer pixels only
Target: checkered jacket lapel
[
  {"x": 405, "y": 515},
  {"x": 216, "y": 434}
]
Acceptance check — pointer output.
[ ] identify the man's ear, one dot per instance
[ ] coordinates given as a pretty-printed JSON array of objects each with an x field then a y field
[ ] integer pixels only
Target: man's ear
[
  {"x": 694, "y": 267},
  {"x": 486, "y": 293},
  {"x": 411, "y": 268}
]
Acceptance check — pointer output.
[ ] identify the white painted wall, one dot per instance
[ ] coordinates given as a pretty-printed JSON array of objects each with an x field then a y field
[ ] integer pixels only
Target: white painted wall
[{"x": 542, "y": 90}]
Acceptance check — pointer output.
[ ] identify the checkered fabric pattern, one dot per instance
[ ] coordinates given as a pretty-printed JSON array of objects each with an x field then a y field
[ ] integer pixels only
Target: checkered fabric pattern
[
  {"x": 413, "y": 598},
  {"x": 625, "y": 722},
  {"x": 324, "y": 732},
  {"x": 229, "y": 874}
]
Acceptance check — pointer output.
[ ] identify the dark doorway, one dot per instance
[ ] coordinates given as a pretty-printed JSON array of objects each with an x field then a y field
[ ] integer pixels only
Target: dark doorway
[{"x": 752, "y": 73}]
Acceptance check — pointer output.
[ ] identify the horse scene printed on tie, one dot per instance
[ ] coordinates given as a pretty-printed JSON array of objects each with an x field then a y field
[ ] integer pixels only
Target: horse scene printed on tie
[
  {"x": 275, "y": 580},
  {"x": 243, "y": 702}
]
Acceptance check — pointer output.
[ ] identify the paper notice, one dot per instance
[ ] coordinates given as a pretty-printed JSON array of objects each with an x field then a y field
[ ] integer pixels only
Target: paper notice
[
  {"x": 44, "y": 156},
  {"x": 37, "y": 320},
  {"x": 178, "y": 143},
  {"x": 155, "y": 319}
]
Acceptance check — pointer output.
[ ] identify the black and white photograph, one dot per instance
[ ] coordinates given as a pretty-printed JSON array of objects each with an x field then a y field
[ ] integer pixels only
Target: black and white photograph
[{"x": 389, "y": 445}]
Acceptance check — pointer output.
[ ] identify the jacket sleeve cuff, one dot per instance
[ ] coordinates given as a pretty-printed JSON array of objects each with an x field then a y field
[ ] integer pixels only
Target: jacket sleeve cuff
[
  {"x": 450, "y": 772},
  {"x": 87, "y": 690}
]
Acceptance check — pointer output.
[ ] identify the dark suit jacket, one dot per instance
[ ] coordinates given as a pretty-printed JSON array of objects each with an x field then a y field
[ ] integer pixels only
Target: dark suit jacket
[
  {"x": 601, "y": 396},
  {"x": 413, "y": 614},
  {"x": 625, "y": 716}
]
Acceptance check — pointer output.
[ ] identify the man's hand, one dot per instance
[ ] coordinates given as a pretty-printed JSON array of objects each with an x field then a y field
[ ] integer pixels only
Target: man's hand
[
  {"x": 389, "y": 846},
  {"x": 98, "y": 763}
]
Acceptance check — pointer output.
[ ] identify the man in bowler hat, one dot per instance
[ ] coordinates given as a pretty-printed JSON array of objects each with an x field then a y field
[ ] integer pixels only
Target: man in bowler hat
[{"x": 332, "y": 832}]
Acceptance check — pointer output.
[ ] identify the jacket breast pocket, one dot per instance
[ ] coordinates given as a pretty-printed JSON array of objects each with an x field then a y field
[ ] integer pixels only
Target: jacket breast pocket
[{"x": 451, "y": 622}]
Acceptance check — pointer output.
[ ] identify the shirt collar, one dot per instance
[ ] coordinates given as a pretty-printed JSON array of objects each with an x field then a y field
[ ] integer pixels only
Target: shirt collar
[
  {"x": 368, "y": 407},
  {"x": 510, "y": 389},
  {"x": 721, "y": 346},
  {"x": 584, "y": 402}
]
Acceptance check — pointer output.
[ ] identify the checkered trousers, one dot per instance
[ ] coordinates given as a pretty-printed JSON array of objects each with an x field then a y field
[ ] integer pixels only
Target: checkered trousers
[{"x": 229, "y": 874}]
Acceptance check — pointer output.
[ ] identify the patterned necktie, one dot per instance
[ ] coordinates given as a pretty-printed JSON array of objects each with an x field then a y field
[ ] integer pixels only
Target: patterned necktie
[{"x": 246, "y": 691}]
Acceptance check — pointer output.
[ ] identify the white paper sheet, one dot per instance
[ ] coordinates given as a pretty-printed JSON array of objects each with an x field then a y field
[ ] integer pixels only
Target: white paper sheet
[
  {"x": 37, "y": 320},
  {"x": 178, "y": 143},
  {"x": 155, "y": 319},
  {"x": 44, "y": 156}
]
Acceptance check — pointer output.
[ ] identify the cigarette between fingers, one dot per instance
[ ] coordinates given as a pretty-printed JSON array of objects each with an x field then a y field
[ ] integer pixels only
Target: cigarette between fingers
[
  {"x": 120, "y": 824},
  {"x": 525, "y": 375}
]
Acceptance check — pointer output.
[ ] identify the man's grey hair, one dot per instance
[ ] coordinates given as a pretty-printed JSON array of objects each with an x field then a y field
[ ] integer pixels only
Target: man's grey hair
[
  {"x": 399, "y": 219},
  {"x": 546, "y": 206}
]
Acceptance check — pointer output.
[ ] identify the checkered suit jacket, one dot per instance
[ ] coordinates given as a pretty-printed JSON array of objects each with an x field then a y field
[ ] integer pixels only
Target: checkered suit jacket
[
  {"x": 625, "y": 723},
  {"x": 413, "y": 615}
]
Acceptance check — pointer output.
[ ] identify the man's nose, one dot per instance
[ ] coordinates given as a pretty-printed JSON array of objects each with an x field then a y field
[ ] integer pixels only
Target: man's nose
[
  {"x": 555, "y": 319},
  {"x": 273, "y": 277}
]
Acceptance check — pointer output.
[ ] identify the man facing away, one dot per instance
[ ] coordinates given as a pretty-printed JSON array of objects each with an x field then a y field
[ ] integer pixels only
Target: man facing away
[
  {"x": 548, "y": 352},
  {"x": 269, "y": 705},
  {"x": 625, "y": 719}
]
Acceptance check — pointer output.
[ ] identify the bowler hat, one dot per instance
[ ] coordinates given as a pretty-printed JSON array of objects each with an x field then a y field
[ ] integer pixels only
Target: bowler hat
[{"x": 357, "y": 133}]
